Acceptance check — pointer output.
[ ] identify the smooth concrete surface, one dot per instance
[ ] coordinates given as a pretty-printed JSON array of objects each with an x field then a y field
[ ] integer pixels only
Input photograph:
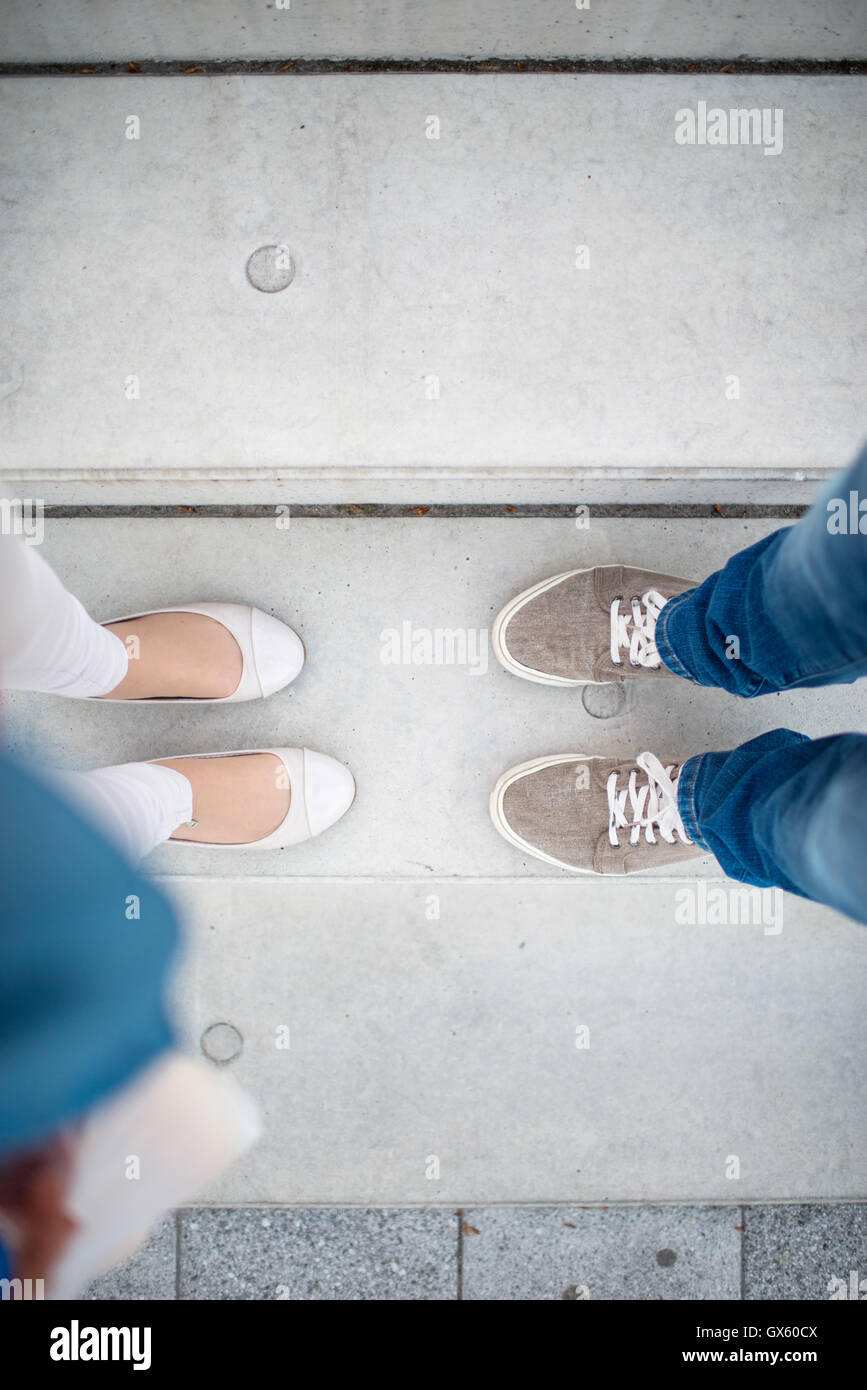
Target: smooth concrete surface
[
  {"x": 533, "y": 1042},
  {"x": 426, "y": 742},
  {"x": 345, "y": 488},
  {"x": 432, "y": 980},
  {"x": 514, "y": 1254},
  {"x": 442, "y": 327},
  {"x": 37, "y": 31}
]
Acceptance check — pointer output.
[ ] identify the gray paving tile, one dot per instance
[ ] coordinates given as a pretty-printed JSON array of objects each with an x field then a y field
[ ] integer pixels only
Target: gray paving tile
[
  {"x": 809, "y": 1252},
  {"x": 320, "y": 1254},
  {"x": 149, "y": 1273},
  {"x": 559, "y": 1252}
]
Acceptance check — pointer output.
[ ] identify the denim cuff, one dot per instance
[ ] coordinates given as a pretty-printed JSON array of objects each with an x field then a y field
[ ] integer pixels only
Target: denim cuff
[
  {"x": 663, "y": 643},
  {"x": 686, "y": 799}
]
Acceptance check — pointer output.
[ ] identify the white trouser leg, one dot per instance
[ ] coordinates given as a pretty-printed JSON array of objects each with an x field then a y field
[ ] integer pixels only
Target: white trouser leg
[
  {"x": 136, "y": 805},
  {"x": 48, "y": 642}
]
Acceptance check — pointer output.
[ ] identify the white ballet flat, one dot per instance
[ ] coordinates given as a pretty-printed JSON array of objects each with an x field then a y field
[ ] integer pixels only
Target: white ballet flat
[
  {"x": 272, "y": 653},
  {"x": 321, "y": 790}
]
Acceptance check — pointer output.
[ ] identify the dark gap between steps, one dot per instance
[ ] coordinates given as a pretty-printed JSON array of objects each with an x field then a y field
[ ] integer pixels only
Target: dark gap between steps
[
  {"x": 741, "y": 65},
  {"x": 661, "y": 511}
]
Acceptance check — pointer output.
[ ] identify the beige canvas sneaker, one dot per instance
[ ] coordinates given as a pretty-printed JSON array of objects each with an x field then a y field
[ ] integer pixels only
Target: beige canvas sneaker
[
  {"x": 594, "y": 815},
  {"x": 586, "y": 627}
]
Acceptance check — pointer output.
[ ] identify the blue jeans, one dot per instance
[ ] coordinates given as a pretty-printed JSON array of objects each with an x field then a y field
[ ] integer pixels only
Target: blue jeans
[{"x": 783, "y": 810}]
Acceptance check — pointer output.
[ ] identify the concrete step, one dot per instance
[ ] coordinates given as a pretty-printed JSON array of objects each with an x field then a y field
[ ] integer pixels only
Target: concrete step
[
  {"x": 431, "y": 979},
  {"x": 442, "y": 337},
  {"x": 426, "y": 742},
  {"x": 534, "y": 1042},
  {"x": 450, "y": 29}
]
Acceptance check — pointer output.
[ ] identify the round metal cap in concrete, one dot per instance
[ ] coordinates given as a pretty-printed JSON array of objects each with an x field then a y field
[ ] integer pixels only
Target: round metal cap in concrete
[
  {"x": 604, "y": 701},
  {"x": 270, "y": 269},
  {"x": 222, "y": 1043}
]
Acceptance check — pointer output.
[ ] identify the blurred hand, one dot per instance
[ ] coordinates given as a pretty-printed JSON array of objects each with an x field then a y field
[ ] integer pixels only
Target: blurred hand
[{"x": 33, "y": 1190}]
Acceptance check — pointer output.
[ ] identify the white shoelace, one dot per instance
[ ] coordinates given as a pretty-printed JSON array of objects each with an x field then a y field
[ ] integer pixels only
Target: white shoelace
[
  {"x": 642, "y": 640},
  {"x": 653, "y": 805}
]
